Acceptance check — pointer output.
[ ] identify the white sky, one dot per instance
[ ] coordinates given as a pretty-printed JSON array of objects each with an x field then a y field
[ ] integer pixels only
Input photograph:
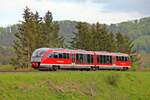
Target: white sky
[{"x": 80, "y": 10}]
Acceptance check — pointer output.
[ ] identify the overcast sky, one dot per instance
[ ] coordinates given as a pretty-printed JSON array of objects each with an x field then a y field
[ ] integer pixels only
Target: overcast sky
[{"x": 103, "y": 11}]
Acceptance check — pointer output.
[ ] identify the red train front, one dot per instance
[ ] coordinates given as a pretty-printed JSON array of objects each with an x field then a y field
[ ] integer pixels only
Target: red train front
[{"x": 58, "y": 58}]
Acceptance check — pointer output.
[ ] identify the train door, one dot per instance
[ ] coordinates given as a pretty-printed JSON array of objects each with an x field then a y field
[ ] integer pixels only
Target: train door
[
  {"x": 73, "y": 59},
  {"x": 114, "y": 60}
]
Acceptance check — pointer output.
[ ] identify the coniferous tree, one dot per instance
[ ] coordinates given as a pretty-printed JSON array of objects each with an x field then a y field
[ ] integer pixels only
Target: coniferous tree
[
  {"x": 81, "y": 39},
  {"x": 50, "y": 31},
  {"x": 93, "y": 37},
  {"x": 123, "y": 43},
  {"x": 111, "y": 42},
  {"x": 96, "y": 37},
  {"x": 99, "y": 38},
  {"x": 22, "y": 44},
  {"x": 34, "y": 33}
]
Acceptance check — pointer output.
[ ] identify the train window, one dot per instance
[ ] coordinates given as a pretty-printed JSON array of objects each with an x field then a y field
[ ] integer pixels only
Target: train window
[
  {"x": 122, "y": 58},
  {"x": 79, "y": 58},
  {"x": 56, "y": 55},
  {"x": 60, "y": 55},
  {"x": 117, "y": 58},
  {"x": 107, "y": 60},
  {"x": 100, "y": 59},
  {"x": 50, "y": 55},
  {"x": 89, "y": 59},
  {"x": 65, "y": 55},
  {"x": 125, "y": 58},
  {"x": 103, "y": 59},
  {"x": 39, "y": 53},
  {"x": 110, "y": 59},
  {"x": 53, "y": 55},
  {"x": 84, "y": 58}
]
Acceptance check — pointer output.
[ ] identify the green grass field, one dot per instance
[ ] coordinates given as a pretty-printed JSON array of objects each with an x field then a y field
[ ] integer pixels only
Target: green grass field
[{"x": 75, "y": 85}]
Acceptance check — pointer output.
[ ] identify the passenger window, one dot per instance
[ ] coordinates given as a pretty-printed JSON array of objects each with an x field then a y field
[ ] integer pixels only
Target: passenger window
[
  {"x": 79, "y": 58},
  {"x": 101, "y": 59},
  {"x": 117, "y": 58},
  {"x": 126, "y": 58},
  {"x": 89, "y": 58},
  {"x": 123, "y": 58},
  {"x": 110, "y": 59},
  {"x": 65, "y": 55},
  {"x": 60, "y": 55},
  {"x": 50, "y": 55},
  {"x": 56, "y": 55}
]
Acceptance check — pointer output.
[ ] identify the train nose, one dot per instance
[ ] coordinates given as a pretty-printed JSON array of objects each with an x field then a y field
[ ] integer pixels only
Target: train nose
[{"x": 34, "y": 64}]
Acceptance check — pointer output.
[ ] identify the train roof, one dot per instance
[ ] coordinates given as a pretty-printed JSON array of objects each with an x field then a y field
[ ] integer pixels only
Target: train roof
[
  {"x": 111, "y": 53},
  {"x": 84, "y": 51}
]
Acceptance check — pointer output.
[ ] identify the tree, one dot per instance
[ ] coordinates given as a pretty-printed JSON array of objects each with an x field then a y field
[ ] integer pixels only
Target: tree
[
  {"x": 93, "y": 37},
  {"x": 124, "y": 44},
  {"x": 50, "y": 31},
  {"x": 81, "y": 39},
  {"x": 111, "y": 43},
  {"x": 22, "y": 44},
  {"x": 34, "y": 33},
  {"x": 101, "y": 38}
]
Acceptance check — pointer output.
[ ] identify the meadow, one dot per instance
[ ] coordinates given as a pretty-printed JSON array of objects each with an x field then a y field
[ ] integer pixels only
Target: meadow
[{"x": 75, "y": 85}]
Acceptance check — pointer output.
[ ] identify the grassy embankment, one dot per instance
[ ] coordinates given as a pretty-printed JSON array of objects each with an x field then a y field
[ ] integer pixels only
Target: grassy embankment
[
  {"x": 14, "y": 68},
  {"x": 75, "y": 85}
]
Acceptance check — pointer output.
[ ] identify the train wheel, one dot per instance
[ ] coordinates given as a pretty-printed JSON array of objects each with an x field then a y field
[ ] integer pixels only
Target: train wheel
[
  {"x": 125, "y": 68},
  {"x": 93, "y": 68},
  {"x": 55, "y": 68}
]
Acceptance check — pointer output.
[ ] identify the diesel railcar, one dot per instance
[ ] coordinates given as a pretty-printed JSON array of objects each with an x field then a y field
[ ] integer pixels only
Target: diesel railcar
[{"x": 59, "y": 58}]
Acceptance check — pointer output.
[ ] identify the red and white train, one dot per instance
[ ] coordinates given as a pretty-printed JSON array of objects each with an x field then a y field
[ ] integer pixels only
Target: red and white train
[{"x": 59, "y": 58}]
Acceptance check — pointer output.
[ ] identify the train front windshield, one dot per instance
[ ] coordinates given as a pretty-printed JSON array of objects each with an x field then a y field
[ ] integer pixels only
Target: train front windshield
[{"x": 38, "y": 54}]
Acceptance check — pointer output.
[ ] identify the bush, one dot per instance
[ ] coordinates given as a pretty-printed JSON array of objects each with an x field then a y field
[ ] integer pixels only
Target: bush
[{"x": 135, "y": 62}]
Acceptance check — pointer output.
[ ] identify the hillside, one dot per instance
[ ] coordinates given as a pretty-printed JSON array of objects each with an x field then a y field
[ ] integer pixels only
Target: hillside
[
  {"x": 67, "y": 28},
  {"x": 73, "y": 85},
  {"x": 137, "y": 30}
]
